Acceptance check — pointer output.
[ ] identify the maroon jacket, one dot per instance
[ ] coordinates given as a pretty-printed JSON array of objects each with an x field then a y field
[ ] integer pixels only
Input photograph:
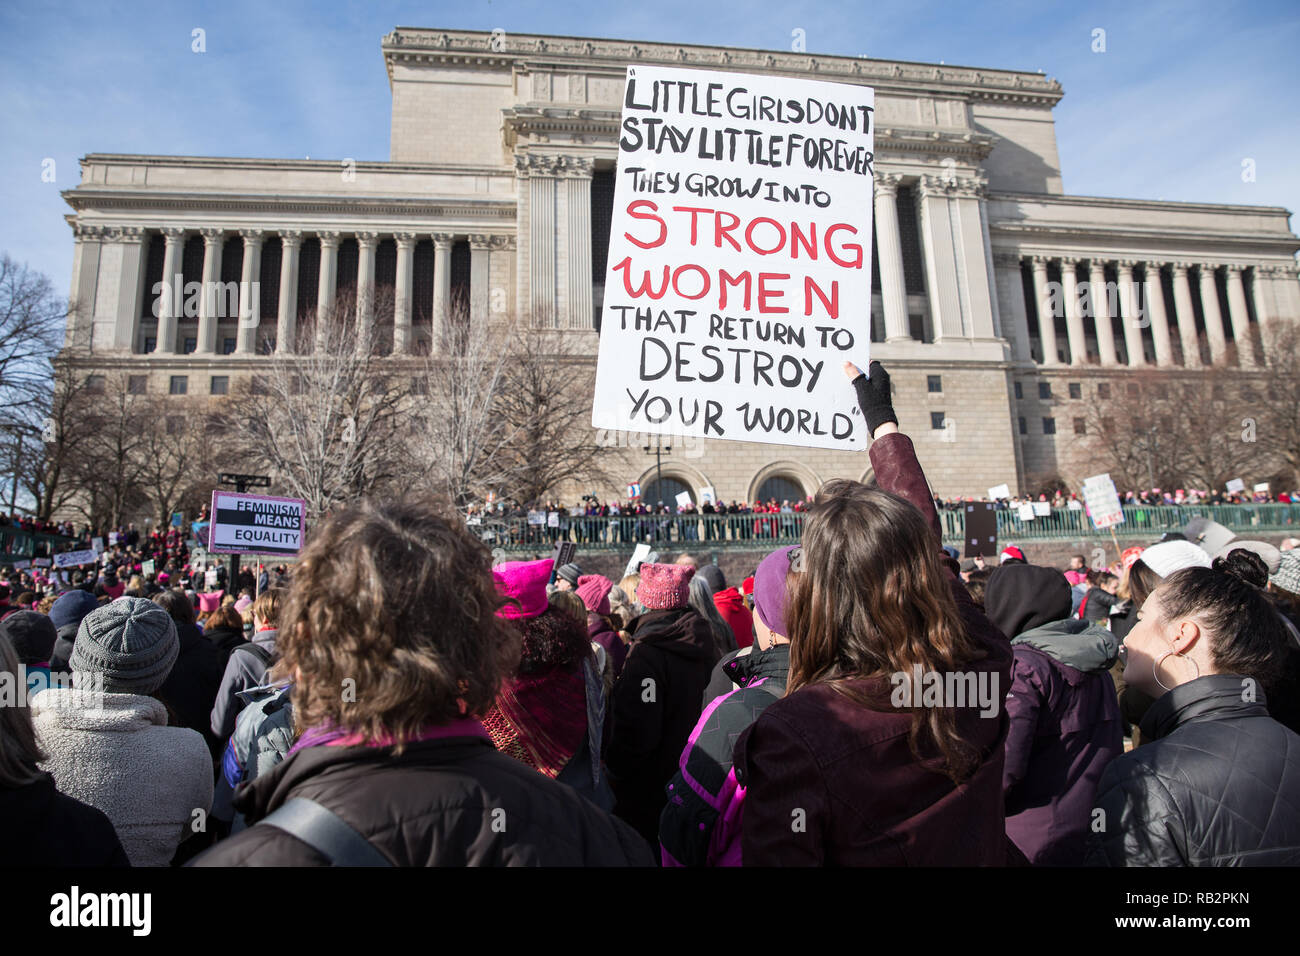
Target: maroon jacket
[{"x": 831, "y": 782}]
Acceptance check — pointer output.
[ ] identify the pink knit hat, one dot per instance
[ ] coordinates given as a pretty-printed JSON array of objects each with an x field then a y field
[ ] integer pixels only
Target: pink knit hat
[
  {"x": 594, "y": 591},
  {"x": 664, "y": 586},
  {"x": 524, "y": 582},
  {"x": 210, "y": 601}
]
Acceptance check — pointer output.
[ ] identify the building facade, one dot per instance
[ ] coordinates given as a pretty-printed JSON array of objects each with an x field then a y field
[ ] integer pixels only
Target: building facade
[{"x": 1001, "y": 306}]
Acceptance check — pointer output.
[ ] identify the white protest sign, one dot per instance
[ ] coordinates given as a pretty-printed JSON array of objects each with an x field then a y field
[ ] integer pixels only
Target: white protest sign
[
  {"x": 210, "y": 577},
  {"x": 256, "y": 524},
  {"x": 1042, "y": 509},
  {"x": 73, "y": 559},
  {"x": 97, "y": 545},
  {"x": 707, "y": 496},
  {"x": 1236, "y": 485},
  {"x": 739, "y": 259},
  {"x": 41, "y": 563},
  {"x": 553, "y": 519},
  {"x": 639, "y": 554},
  {"x": 537, "y": 518},
  {"x": 684, "y": 499},
  {"x": 21, "y": 565},
  {"x": 1262, "y": 486},
  {"x": 473, "y": 520},
  {"x": 999, "y": 491},
  {"x": 1026, "y": 512},
  {"x": 112, "y": 537},
  {"x": 634, "y": 490},
  {"x": 1074, "y": 505},
  {"x": 147, "y": 567},
  {"x": 1103, "y": 501}
]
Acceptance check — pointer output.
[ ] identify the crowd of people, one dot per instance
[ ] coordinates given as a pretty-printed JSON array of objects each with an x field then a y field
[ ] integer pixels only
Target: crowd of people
[{"x": 863, "y": 698}]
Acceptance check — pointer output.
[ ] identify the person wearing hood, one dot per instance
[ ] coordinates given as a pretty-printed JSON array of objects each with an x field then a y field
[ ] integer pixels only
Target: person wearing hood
[
  {"x": 192, "y": 685},
  {"x": 32, "y": 636},
  {"x": 66, "y": 615},
  {"x": 1065, "y": 721},
  {"x": 657, "y": 698},
  {"x": 107, "y": 736},
  {"x": 224, "y": 628},
  {"x": 701, "y": 824}
]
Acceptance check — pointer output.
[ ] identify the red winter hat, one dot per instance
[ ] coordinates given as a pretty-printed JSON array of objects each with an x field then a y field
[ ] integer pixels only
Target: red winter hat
[
  {"x": 747, "y": 585},
  {"x": 594, "y": 591},
  {"x": 524, "y": 582},
  {"x": 664, "y": 586}
]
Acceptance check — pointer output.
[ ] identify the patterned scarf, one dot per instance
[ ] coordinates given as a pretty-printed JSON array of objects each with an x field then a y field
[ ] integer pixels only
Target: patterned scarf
[{"x": 541, "y": 720}]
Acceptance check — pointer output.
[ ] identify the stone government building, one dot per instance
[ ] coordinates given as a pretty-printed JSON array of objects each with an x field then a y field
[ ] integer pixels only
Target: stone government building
[{"x": 499, "y": 191}]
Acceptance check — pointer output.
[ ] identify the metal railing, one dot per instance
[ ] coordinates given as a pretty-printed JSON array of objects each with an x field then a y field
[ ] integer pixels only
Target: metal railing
[
  {"x": 19, "y": 545},
  {"x": 622, "y": 532}
]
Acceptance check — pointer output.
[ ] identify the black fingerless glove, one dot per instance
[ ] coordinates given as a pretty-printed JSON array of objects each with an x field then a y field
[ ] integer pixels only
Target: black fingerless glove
[{"x": 874, "y": 398}]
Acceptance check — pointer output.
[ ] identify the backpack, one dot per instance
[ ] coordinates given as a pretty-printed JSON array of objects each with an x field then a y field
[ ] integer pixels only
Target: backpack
[{"x": 325, "y": 832}]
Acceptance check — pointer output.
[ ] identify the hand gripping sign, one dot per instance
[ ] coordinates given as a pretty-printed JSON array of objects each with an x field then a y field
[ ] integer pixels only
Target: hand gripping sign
[{"x": 739, "y": 274}]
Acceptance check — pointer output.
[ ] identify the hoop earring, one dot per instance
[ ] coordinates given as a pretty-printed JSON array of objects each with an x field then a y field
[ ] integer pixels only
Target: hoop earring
[{"x": 1155, "y": 667}]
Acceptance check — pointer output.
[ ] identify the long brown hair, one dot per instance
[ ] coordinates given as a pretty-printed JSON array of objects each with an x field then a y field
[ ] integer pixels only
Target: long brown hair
[{"x": 873, "y": 601}]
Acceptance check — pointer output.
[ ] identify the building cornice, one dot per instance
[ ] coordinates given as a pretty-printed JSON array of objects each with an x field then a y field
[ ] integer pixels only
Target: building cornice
[
  {"x": 103, "y": 199},
  {"x": 1157, "y": 238},
  {"x": 292, "y": 165},
  {"x": 497, "y": 50}
]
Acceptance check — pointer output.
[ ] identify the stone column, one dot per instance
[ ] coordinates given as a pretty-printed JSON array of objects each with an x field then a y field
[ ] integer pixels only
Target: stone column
[
  {"x": 889, "y": 248},
  {"x": 480, "y": 277},
  {"x": 1240, "y": 318},
  {"x": 173, "y": 291},
  {"x": 366, "y": 243},
  {"x": 85, "y": 278},
  {"x": 405, "y": 283},
  {"x": 577, "y": 188},
  {"x": 1099, "y": 303},
  {"x": 1264, "y": 311},
  {"x": 250, "y": 296},
  {"x": 130, "y": 290},
  {"x": 212, "y": 239},
  {"x": 1073, "y": 317},
  {"x": 1011, "y": 292},
  {"x": 441, "y": 289},
  {"x": 1046, "y": 319},
  {"x": 286, "y": 323},
  {"x": 1186, "y": 316},
  {"x": 1213, "y": 314},
  {"x": 541, "y": 251},
  {"x": 1155, "y": 303},
  {"x": 1128, "y": 311},
  {"x": 328, "y": 285}
]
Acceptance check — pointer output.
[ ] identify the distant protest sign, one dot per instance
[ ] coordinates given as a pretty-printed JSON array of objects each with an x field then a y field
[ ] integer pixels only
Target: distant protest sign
[
  {"x": 1236, "y": 486},
  {"x": 739, "y": 276},
  {"x": 1000, "y": 491},
  {"x": 147, "y": 567},
  {"x": 21, "y": 565},
  {"x": 74, "y": 559},
  {"x": 1026, "y": 512},
  {"x": 256, "y": 524},
  {"x": 41, "y": 563},
  {"x": 1103, "y": 501},
  {"x": 1042, "y": 509}
]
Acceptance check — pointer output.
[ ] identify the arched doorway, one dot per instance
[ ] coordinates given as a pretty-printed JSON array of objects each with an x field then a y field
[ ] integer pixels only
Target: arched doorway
[
  {"x": 664, "y": 490},
  {"x": 781, "y": 488}
]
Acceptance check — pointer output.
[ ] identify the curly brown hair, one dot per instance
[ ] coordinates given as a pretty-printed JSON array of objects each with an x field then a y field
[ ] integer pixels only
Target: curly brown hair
[{"x": 398, "y": 598}]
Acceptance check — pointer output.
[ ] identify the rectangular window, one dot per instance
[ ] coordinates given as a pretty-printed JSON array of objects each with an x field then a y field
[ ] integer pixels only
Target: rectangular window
[
  {"x": 1133, "y": 390},
  {"x": 1080, "y": 427},
  {"x": 936, "y": 419},
  {"x": 934, "y": 383},
  {"x": 228, "y": 346},
  {"x": 267, "y": 347},
  {"x": 1024, "y": 430},
  {"x": 137, "y": 384},
  {"x": 95, "y": 384},
  {"x": 1049, "y": 426},
  {"x": 257, "y": 385},
  {"x": 1044, "y": 389},
  {"x": 419, "y": 385},
  {"x": 150, "y": 343},
  {"x": 1020, "y": 392},
  {"x": 1076, "y": 390},
  {"x": 220, "y": 385},
  {"x": 191, "y": 346},
  {"x": 1103, "y": 390},
  {"x": 180, "y": 385}
]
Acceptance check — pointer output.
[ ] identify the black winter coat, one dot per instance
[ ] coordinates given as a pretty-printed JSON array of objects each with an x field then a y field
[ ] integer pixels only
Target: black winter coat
[
  {"x": 225, "y": 639},
  {"x": 1218, "y": 785},
  {"x": 657, "y": 700},
  {"x": 192, "y": 686},
  {"x": 453, "y": 801},
  {"x": 39, "y": 826}
]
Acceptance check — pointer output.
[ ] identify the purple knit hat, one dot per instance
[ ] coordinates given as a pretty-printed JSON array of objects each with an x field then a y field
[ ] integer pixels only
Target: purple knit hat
[
  {"x": 525, "y": 582},
  {"x": 769, "y": 588},
  {"x": 664, "y": 586},
  {"x": 594, "y": 591}
]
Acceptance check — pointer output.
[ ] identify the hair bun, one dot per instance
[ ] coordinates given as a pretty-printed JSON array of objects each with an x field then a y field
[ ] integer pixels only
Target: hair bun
[{"x": 1244, "y": 565}]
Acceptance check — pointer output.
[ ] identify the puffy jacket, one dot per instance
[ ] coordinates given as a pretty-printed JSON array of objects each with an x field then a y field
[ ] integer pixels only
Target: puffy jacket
[
  {"x": 1065, "y": 729},
  {"x": 450, "y": 800},
  {"x": 700, "y": 826},
  {"x": 656, "y": 703},
  {"x": 1217, "y": 785},
  {"x": 846, "y": 772}
]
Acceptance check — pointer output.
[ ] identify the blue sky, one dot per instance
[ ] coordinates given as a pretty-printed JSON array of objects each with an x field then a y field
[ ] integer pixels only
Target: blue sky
[{"x": 1183, "y": 93}]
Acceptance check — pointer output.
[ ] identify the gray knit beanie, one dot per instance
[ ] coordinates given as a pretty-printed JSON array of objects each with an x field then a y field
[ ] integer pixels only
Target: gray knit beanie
[{"x": 132, "y": 642}]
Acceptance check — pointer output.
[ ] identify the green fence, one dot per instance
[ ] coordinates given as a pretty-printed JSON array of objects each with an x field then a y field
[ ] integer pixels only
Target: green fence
[
  {"x": 771, "y": 530},
  {"x": 19, "y": 545}
]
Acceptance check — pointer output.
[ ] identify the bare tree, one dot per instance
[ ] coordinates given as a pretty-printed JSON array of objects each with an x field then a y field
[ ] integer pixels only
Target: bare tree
[
  {"x": 60, "y": 425},
  {"x": 176, "y": 452},
  {"x": 106, "y": 461},
  {"x": 1272, "y": 417},
  {"x": 324, "y": 420},
  {"x": 1140, "y": 436},
  {"x": 31, "y": 328}
]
